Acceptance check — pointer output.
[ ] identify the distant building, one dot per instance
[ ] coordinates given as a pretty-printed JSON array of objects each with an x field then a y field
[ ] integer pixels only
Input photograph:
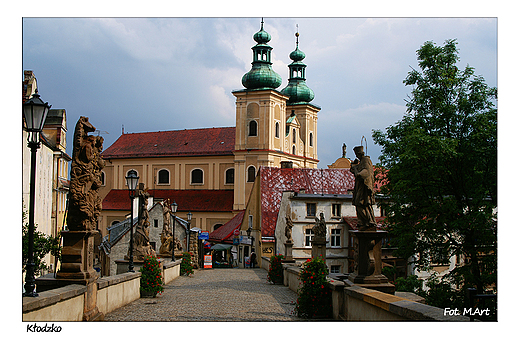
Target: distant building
[{"x": 52, "y": 184}]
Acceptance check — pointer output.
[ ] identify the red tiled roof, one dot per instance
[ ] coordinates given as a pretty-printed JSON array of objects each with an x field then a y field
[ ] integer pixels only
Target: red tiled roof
[
  {"x": 188, "y": 142},
  {"x": 188, "y": 200},
  {"x": 225, "y": 232},
  {"x": 274, "y": 181}
]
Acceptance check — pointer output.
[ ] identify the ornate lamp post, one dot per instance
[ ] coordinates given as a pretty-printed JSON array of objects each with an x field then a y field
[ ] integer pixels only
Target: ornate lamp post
[
  {"x": 131, "y": 181},
  {"x": 174, "y": 210},
  {"x": 188, "y": 231},
  {"x": 35, "y": 112}
]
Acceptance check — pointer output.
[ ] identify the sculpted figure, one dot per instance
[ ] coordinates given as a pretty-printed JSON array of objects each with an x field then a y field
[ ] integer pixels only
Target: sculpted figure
[
  {"x": 320, "y": 228},
  {"x": 142, "y": 245},
  {"x": 288, "y": 227},
  {"x": 85, "y": 178},
  {"x": 363, "y": 195},
  {"x": 166, "y": 235}
]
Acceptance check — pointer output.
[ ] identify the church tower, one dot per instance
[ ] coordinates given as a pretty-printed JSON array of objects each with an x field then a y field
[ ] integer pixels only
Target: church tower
[{"x": 272, "y": 126}]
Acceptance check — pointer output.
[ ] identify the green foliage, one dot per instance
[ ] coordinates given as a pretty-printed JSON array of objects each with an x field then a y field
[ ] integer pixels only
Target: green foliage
[
  {"x": 314, "y": 296},
  {"x": 43, "y": 244},
  {"x": 409, "y": 284},
  {"x": 441, "y": 162},
  {"x": 151, "y": 275},
  {"x": 186, "y": 264},
  {"x": 275, "y": 274},
  {"x": 441, "y": 294}
]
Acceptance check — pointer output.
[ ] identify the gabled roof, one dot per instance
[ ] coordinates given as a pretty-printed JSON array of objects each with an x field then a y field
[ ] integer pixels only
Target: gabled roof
[
  {"x": 188, "y": 200},
  {"x": 274, "y": 181},
  {"x": 225, "y": 232},
  {"x": 188, "y": 142}
]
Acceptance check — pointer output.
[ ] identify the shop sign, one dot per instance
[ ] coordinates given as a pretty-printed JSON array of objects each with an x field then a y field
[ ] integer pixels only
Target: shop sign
[
  {"x": 204, "y": 235},
  {"x": 208, "y": 263}
]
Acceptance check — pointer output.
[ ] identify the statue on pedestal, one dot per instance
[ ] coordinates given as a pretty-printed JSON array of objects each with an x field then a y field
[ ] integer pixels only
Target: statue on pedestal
[
  {"x": 288, "y": 227},
  {"x": 166, "y": 235},
  {"x": 142, "y": 246},
  {"x": 363, "y": 196},
  {"x": 320, "y": 228}
]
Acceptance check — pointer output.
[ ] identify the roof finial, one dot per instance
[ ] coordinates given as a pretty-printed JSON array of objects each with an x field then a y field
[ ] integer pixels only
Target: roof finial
[
  {"x": 297, "y": 35},
  {"x": 262, "y": 27}
]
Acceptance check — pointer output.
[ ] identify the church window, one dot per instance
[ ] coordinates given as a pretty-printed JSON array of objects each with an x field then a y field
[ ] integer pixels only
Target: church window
[
  {"x": 311, "y": 140},
  {"x": 253, "y": 127},
  {"x": 251, "y": 174},
  {"x": 230, "y": 176},
  {"x": 197, "y": 176},
  {"x": 294, "y": 150},
  {"x": 163, "y": 177},
  {"x": 102, "y": 178},
  {"x": 294, "y": 136},
  {"x": 277, "y": 130}
]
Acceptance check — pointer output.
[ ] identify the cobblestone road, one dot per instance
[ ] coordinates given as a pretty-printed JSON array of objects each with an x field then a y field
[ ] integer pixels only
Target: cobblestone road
[{"x": 214, "y": 295}]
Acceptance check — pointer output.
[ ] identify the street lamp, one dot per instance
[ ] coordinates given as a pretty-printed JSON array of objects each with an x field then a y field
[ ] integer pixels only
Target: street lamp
[
  {"x": 131, "y": 181},
  {"x": 188, "y": 230},
  {"x": 174, "y": 210},
  {"x": 34, "y": 112}
]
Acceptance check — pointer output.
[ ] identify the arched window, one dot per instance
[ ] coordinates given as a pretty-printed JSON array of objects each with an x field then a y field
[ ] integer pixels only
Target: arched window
[
  {"x": 294, "y": 136},
  {"x": 115, "y": 222},
  {"x": 230, "y": 176},
  {"x": 103, "y": 178},
  {"x": 216, "y": 226},
  {"x": 310, "y": 140},
  {"x": 277, "y": 130},
  {"x": 132, "y": 171},
  {"x": 197, "y": 176},
  {"x": 163, "y": 177},
  {"x": 251, "y": 174},
  {"x": 253, "y": 128},
  {"x": 294, "y": 150}
]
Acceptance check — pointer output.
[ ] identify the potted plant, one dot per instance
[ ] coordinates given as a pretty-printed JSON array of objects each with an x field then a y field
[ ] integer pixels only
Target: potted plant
[
  {"x": 186, "y": 264},
  {"x": 151, "y": 277},
  {"x": 314, "y": 296},
  {"x": 275, "y": 274}
]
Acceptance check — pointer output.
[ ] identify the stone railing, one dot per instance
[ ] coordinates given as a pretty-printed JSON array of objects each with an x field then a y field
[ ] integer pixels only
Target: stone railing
[
  {"x": 67, "y": 303},
  {"x": 354, "y": 303}
]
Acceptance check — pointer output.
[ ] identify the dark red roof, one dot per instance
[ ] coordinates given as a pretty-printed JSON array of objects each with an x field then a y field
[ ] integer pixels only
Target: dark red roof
[
  {"x": 274, "y": 181},
  {"x": 188, "y": 200},
  {"x": 225, "y": 232},
  {"x": 188, "y": 142}
]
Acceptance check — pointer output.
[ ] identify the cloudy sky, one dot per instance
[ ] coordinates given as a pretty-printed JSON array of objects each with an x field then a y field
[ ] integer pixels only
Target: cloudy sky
[{"x": 151, "y": 74}]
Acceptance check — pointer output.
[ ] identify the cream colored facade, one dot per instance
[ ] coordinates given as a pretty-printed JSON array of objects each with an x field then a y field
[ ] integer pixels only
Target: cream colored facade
[{"x": 283, "y": 133}]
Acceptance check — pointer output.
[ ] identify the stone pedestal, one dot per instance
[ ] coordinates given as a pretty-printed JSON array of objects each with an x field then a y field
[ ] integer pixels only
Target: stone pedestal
[
  {"x": 319, "y": 247},
  {"x": 367, "y": 261},
  {"x": 77, "y": 268},
  {"x": 288, "y": 253}
]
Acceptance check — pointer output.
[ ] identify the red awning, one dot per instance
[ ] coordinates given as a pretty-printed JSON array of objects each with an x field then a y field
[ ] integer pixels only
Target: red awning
[{"x": 225, "y": 232}]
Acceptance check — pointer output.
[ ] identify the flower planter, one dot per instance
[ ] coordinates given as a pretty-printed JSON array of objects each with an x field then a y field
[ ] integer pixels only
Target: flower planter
[{"x": 148, "y": 294}]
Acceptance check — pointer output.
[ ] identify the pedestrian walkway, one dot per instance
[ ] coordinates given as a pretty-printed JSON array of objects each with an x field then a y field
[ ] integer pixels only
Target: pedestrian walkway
[{"x": 215, "y": 295}]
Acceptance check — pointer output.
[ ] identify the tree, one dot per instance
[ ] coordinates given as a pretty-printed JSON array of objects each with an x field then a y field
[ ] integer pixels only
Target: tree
[
  {"x": 441, "y": 167},
  {"x": 43, "y": 244}
]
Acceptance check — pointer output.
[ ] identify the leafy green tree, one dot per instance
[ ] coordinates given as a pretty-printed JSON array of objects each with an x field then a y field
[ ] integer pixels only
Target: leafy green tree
[
  {"x": 441, "y": 167},
  {"x": 43, "y": 244}
]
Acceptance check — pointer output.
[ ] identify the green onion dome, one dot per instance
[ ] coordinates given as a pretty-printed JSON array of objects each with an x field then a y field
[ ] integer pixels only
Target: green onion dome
[
  {"x": 261, "y": 75},
  {"x": 297, "y": 89}
]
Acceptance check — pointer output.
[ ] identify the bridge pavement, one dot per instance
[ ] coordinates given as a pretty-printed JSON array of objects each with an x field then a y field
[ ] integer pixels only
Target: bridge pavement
[{"x": 215, "y": 295}]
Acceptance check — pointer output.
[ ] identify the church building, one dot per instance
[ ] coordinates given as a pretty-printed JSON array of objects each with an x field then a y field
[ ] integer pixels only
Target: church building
[
  {"x": 218, "y": 166},
  {"x": 210, "y": 172}
]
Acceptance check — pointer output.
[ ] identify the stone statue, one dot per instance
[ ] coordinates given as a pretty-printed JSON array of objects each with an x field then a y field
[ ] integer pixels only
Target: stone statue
[
  {"x": 320, "y": 228},
  {"x": 85, "y": 178},
  {"x": 142, "y": 246},
  {"x": 166, "y": 235},
  {"x": 363, "y": 196},
  {"x": 288, "y": 227},
  {"x": 344, "y": 151}
]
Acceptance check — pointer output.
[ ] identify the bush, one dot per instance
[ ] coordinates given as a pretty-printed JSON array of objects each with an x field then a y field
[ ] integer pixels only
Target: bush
[
  {"x": 151, "y": 275},
  {"x": 186, "y": 264},
  {"x": 275, "y": 274},
  {"x": 314, "y": 296}
]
